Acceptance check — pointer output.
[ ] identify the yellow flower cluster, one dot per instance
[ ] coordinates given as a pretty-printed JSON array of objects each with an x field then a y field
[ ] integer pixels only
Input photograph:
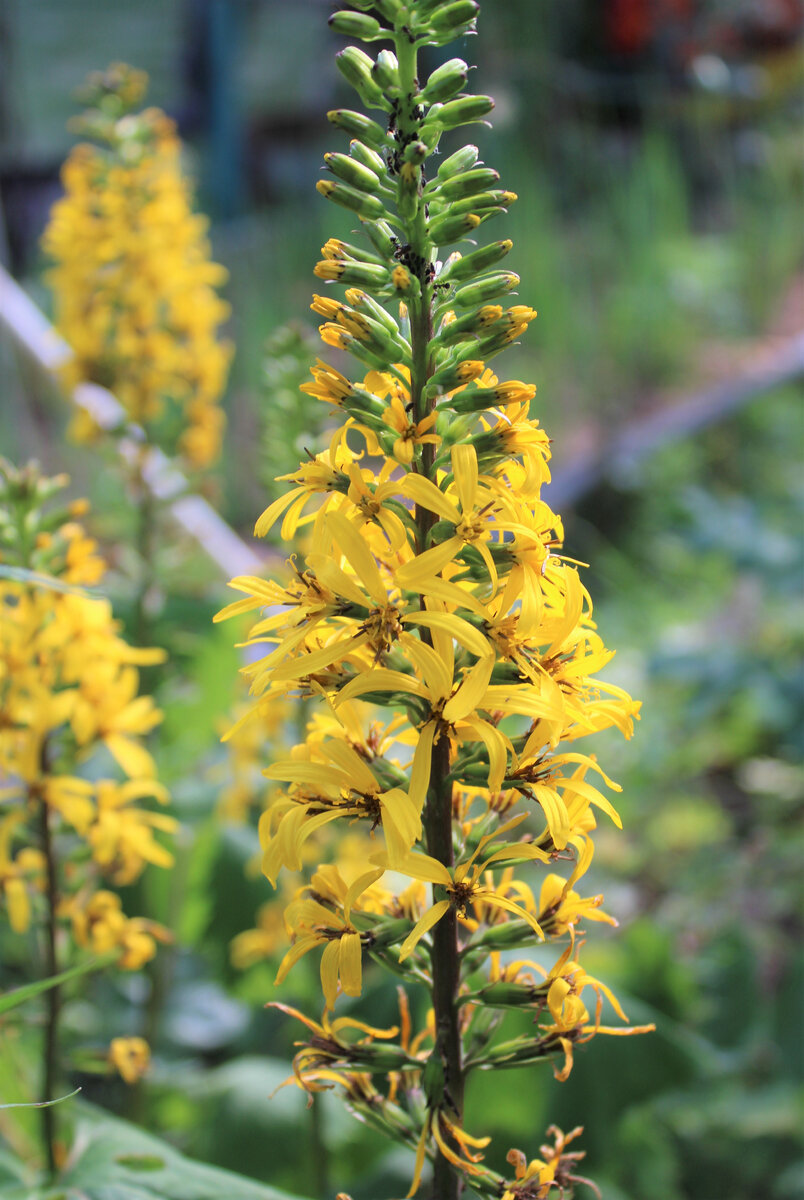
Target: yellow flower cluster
[
  {"x": 434, "y": 587},
  {"x": 134, "y": 288},
  {"x": 72, "y": 731}
]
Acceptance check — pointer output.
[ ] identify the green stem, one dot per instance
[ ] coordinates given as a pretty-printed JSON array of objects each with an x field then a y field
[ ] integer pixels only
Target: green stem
[
  {"x": 437, "y": 817},
  {"x": 145, "y": 552},
  {"x": 53, "y": 997}
]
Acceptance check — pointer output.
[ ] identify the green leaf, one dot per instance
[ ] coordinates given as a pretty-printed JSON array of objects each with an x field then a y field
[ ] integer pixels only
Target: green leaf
[
  {"x": 41, "y": 1103},
  {"x": 112, "y": 1160},
  {"x": 19, "y": 995}
]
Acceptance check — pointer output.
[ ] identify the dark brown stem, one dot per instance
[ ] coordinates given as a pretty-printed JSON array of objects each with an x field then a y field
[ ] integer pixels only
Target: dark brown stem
[
  {"x": 437, "y": 817},
  {"x": 52, "y": 996}
]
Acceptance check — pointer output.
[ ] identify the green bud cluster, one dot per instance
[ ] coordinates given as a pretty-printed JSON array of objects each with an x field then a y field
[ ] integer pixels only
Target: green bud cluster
[{"x": 407, "y": 211}]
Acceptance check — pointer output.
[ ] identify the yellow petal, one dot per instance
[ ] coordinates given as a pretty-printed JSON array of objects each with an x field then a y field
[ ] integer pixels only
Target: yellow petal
[
  {"x": 296, "y": 951},
  {"x": 427, "y": 564},
  {"x": 422, "y": 866},
  {"x": 378, "y": 679},
  {"x": 437, "y": 674},
  {"x": 316, "y": 660},
  {"x": 456, "y": 627},
  {"x": 401, "y": 823},
  {"x": 132, "y": 757},
  {"x": 464, "y": 468},
  {"x": 421, "y": 1151},
  {"x": 19, "y": 908},
  {"x": 266, "y": 520},
  {"x": 471, "y": 693},
  {"x": 330, "y": 961},
  {"x": 420, "y": 770},
  {"x": 425, "y": 493},
  {"x": 351, "y": 966},
  {"x": 425, "y": 923},
  {"x": 359, "y": 557},
  {"x": 497, "y": 745}
]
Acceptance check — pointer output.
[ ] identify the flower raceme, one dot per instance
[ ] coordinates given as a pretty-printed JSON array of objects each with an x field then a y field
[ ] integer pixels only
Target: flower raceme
[
  {"x": 134, "y": 288},
  {"x": 433, "y": 587},
  {"x": 77, "y": 783}
]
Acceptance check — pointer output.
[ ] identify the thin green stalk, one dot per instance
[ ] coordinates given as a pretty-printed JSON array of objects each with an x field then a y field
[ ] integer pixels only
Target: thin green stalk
[{"x": 50, "y": 1041}]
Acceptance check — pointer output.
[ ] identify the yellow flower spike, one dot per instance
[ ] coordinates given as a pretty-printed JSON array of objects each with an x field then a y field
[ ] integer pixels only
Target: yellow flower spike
[
  {"x": 434, "y": 585},
  {"x": 135, "y": 293}
]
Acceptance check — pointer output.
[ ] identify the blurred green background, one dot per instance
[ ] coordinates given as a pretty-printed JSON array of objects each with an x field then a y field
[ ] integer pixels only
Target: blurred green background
[{"x": 656, "y": 149}]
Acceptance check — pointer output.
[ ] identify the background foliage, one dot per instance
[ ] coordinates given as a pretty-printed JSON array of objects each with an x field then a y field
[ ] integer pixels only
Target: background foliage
[{"x": 658, "y": 233}]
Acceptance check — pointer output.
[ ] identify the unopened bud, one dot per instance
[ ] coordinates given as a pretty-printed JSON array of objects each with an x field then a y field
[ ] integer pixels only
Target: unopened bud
[
  {"x": 358, "y": 125},
  {"x": 359, "y": 274},
  {"x": 381, "y": 237},
  {"x": 462, "y": 160},
  {"x": 450, "y": 16},
  {"x": 356, "y": 66},
  {"x": 489, "y": 288},
  {"x": 361, "y": 203},
  {"x": 368, "y": 157},
  {"x": 361, "y": 300},
  {"x": 445, "y": 81},
  {"x": 385, "y": 71},
  {"x": 455, "y": 375},
  {"x": 352, "y": 172},
  {"x": 468, "y": 183},
  {"x": 359, "y": 25},
  {"x": 450, "y": 229},
  {"x": 462, "y": 111},
  {"x": 415, "y": 152},
  {"x": 469, "y": 265}
]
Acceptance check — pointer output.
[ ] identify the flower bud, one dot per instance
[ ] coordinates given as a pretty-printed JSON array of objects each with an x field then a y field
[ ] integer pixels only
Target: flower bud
[
  {"x": 368, "y": 157},
  {"x": 462, "y": 160},
  {"x": 452, "y": 228},
  {"x": 352, "y": 172},
  {"x": 460, "y": 328},
  {"x": 455, "y": 375},
  {"x": 483, "y": 201},
  {"x": 466, "y": 184},
  {"x": 506, "y": 995},
  {"x": 463, "y": 111},
  {"x": 355, "y": 66},
  {"x": 508, "y": 936},
  {"x": 381, "y": 237},
  {"x": 359, "y": 274},
  {"x": 475, "y": 399},
  {"x": 335, "y": 248},
  {"x": 489, "y": 288},
  {"x": 450, "y": 16},
  {"x": 445, "y": 81},
  {"x": 415, "y": 152},
  {"x": 408, "y": 193},
  {"x": 359, "y": 25},
  {"x": 358, "y": 125},
  {"x": 360, "y": 299},
  {"x": 385, "y": 71},
  {"x": 359, "y": 202},
  {"x": 469, "y": 265},
  {"x": 389, "y": 931}
]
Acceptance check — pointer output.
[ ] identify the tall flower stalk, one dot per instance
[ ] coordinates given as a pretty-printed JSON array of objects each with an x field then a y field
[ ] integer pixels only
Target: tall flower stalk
[
  {"x": 435, "y": 591},
  {"x": 76, "y": 780}
]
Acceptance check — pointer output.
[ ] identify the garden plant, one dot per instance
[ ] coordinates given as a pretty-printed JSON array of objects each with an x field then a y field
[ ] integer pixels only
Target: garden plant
[{"x": 444, "y": 640}]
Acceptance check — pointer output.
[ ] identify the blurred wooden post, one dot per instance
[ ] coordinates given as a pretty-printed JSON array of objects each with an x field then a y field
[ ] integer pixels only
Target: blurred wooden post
[
  {"x": 226, "y": 184},
  {"x": 41, "y": 346}
]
